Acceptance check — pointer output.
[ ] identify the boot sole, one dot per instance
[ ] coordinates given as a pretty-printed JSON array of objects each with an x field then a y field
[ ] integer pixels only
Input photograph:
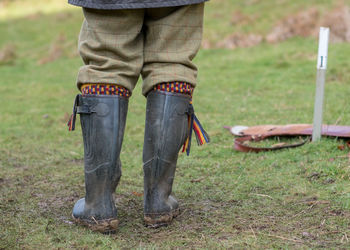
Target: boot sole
[
  {"x": 108, "y": 226},
  {"x": 160, "y": 220}
]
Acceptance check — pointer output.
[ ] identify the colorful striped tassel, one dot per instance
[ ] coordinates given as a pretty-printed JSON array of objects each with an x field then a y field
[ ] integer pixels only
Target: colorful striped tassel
[
  {"x": 193, "y": 122},
  {"x": 71, "y": 122},
  {"x": 194, "y": 125}
]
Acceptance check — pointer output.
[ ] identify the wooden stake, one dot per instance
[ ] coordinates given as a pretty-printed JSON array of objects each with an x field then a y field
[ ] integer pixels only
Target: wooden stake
[{"x": 320, "y": 82}]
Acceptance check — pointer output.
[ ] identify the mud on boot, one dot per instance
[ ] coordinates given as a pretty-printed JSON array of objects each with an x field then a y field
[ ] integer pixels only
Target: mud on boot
[
  {"x": 165, "y": 132},
  {"x": 103, "y": 121}
]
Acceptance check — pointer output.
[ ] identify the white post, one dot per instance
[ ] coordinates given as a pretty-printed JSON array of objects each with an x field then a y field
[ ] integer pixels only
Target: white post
[{"x": 320, "y": 82}]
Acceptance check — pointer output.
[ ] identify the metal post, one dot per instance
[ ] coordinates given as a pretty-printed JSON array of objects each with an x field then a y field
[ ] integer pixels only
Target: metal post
[{"x": 320, "y": 82}]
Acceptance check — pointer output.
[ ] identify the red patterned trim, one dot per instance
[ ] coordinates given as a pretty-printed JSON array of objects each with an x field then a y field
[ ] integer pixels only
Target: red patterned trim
[
  {"x": 175, "y": 87},
  {"x": 104, "y": 89}
]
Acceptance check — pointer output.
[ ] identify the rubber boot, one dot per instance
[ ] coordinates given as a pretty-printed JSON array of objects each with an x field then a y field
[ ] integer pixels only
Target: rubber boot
[
  {"x": 103, "y": 121},
  {"x": 165, "y": 132}
]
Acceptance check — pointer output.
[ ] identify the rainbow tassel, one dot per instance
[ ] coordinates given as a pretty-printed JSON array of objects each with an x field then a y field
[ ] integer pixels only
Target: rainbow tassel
[
  {"x": 202, "y": 136},
  {"x": 71, "y": 123}
]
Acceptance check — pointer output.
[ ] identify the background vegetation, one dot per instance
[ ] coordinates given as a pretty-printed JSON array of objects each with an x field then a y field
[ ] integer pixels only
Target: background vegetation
[{"x": 251, "y": 73}]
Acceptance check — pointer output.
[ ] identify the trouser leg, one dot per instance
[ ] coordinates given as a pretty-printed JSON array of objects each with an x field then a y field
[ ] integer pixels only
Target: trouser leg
[
  {"x": 111, "y": 46},
  {"x": 172, "y": 39}
]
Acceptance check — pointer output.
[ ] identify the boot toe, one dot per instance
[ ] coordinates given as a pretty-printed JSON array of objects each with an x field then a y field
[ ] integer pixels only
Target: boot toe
[
  {"x": 173, "y": 203},
  {"x": 78, "y": 210}
]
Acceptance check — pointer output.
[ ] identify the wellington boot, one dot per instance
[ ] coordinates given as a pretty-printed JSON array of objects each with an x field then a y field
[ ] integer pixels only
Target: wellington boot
[
  {"x": 103, "y": 122},
  {"x": 165, "y": 132}
]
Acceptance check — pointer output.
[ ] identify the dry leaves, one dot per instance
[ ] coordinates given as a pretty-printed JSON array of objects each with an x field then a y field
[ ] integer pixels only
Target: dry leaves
[
  {"x": 300, "y": 24},
  {"x": 342, "y": 146},
  {"x": 338, "y": 21},
  {"x": 305, "y": 23},
  {"x": 137, "y": 194},
  {"x": 240, "y": 41},
  {"x": 239, "y": 18}
]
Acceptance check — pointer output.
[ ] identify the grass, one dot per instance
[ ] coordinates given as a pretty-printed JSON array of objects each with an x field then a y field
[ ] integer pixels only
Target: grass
[{"x": 297, "y": 198}]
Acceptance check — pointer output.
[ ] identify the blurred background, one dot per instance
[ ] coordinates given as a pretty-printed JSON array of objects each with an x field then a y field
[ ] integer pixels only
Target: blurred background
[{"x": 257, "y": 66}]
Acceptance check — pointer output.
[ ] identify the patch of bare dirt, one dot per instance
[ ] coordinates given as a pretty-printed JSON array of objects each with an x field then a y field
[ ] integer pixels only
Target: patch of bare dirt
[
  {"x": 300, "y": 24},
  {"x": 4, "y": 182},
  {"x": 240, "y": 41},
  {"x": 338, "y": 21},
  {"x": 305, "y": 23},
  {"x": 239, "y": 18},
  {"x": 206, "y": 44},
  {"x": 55, "y": 202}
]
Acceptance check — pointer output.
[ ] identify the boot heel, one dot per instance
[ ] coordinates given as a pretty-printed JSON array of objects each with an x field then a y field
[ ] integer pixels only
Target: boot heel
[{"x": 108, "y": 226}]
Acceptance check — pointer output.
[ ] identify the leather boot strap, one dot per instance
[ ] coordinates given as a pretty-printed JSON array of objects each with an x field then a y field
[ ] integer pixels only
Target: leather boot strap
[{"x": 72, "y": 119}]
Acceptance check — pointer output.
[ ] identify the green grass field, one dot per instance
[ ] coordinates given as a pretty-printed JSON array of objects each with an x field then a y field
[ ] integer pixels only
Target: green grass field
[{"x": 297, "y": 198}]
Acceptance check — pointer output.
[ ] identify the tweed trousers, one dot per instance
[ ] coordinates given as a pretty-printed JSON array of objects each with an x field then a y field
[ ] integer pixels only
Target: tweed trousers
[{"x": 117, "y": 46}]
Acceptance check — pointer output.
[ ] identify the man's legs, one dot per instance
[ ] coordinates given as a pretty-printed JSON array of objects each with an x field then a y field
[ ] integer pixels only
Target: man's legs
[
  {"x": 111, "y": 45},
  {"x": 172, "y": 39}
]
